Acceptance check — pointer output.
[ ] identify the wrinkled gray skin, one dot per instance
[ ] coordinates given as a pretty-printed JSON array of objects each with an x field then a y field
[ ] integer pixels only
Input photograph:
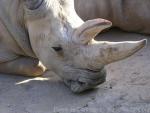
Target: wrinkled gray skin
[
  {"x": 129, "y": 15},
  {"x": 38, "y": 35}
]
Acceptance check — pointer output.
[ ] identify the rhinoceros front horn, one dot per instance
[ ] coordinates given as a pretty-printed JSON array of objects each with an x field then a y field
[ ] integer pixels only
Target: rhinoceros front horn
[
  {"x": 33, "y": 4},
  {"x": 108, "y": 52}
]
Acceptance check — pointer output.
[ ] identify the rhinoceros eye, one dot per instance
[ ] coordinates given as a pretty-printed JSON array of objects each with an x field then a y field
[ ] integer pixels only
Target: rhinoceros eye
[
  {"x": 57, "y": 49},
  {"x": 33, "y": 4}
]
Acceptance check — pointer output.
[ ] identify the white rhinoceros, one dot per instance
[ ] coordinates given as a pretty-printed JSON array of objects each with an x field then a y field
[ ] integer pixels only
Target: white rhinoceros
[
  {"x": 49, "y": 31},
  {"x": 129, "y": 15}
]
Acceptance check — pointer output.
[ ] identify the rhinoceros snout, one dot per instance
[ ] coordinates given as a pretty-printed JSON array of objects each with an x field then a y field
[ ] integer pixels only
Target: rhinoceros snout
[{"x": 83, "y": 84}]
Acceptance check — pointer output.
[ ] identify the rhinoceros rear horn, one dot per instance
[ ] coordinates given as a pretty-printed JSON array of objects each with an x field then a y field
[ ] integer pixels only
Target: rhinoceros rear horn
[
  {"x": 90, "y": 29},
  {"x": 33, "y": 4}
]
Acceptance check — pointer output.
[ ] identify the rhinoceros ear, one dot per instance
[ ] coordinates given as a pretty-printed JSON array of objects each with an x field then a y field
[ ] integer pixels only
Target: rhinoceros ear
[
  {"x": 33, "y": 4},
  {"x": 90, "y": 29}
]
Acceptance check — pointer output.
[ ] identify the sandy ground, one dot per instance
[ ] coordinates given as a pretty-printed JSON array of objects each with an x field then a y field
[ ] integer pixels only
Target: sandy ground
[{"x": 127, "y": 89}]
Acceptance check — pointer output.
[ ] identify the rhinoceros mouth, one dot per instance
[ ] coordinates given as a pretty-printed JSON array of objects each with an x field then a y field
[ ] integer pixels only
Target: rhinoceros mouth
[{"x": 92, "y": 71}]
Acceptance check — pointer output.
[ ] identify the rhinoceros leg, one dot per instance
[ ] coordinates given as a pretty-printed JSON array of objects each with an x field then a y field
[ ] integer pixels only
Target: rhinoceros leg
[{"x": 23, "y": 66}]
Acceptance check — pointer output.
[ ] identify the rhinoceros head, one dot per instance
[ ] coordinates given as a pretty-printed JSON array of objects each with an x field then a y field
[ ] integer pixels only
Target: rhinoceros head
[{"x": 65, "y": 44}]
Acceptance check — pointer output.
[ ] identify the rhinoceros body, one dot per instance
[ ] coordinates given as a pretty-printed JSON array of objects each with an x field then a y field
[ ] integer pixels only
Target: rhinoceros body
[
  {"x": 38, "y": 35},
  {"x": 14, "y": 39},
  {"x": 129, "y": 15}
]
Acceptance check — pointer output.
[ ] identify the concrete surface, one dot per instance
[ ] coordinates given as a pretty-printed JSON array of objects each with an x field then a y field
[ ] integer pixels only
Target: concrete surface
[{"x": 127, "y": 89}]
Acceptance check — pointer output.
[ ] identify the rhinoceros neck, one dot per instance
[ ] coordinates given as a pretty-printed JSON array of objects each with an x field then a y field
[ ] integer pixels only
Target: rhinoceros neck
[{"x": 11, "y": 15}]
